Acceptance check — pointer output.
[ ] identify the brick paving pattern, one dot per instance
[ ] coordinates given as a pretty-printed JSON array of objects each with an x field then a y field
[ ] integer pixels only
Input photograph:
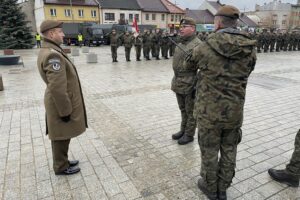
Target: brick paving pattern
[{"x": 127, "y": 153}]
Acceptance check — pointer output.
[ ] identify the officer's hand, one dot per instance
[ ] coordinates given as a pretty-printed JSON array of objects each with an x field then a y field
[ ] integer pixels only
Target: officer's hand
[{"x": 66, "y": 119}]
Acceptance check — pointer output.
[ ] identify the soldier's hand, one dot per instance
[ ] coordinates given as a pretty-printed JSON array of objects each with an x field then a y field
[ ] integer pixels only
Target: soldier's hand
[{"x": 66, "y": 119}]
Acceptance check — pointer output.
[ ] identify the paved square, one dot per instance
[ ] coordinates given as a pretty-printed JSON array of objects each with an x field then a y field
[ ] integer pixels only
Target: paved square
[{"x": 127, "y": 153}]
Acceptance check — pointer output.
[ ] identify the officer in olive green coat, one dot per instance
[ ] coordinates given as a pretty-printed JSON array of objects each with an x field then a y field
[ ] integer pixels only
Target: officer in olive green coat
[
  {"x": 184, "y": 81},
  {"x": 128, "y": 41},
  {"x": 64, "y": 103},
  {"x": 225, "y": 62},
  {"x": 291, "y": 174},
  {"x": 147, "y": 43}
]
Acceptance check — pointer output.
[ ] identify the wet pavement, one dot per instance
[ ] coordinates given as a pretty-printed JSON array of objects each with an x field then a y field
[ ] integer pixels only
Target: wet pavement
[{"x": 127, "y": 153}]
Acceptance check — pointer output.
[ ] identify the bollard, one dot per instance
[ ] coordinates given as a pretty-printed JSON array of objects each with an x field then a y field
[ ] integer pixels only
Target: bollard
[
  {"x": 75, "y": 52},
  {"x": 1, "y": 83},
  {"x": 91, "y": 58},
  {"x": 85, "y": 50}
]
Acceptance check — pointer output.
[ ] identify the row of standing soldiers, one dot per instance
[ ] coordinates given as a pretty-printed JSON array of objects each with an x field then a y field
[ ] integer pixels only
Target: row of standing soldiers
[
  {"x": 270, "y": 41},
  {"x": 150, "y": 42}
]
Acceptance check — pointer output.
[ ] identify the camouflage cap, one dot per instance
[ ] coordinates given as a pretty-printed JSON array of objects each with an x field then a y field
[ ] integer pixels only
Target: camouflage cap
[
  {"x": 188, "y": 21},
  {"x": 50, "y": 24},
  {"x": 228, "y": 11}
]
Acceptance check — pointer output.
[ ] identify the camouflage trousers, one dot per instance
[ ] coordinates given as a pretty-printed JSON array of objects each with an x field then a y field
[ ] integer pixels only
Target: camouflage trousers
[
  {"x": 218, "y": 172},
  {"x": 114, "y": 52},
  {"x": 138, "y": 50},
  {"x": 294, "y": 165},
  {"x": 186, "y": 105},
  {"x": 127, "y": 53}
]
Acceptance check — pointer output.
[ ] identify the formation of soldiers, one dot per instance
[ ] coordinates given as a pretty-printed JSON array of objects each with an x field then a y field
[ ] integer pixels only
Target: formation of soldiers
[
  {"x": 154, "y": 44},
  {"x": 270, "y": 41}
]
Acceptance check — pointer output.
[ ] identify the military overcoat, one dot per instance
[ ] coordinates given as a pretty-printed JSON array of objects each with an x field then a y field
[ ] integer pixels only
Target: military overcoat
[{"x": 63, "y": 95}]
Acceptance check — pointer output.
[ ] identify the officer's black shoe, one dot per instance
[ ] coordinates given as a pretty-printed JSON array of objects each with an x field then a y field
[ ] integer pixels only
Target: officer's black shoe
[
  {"x": 73, "y": 163},
  {"x": 69, "y": 171},
  {"x": 185, "y": 139},
  {"x": 178, "y": 135},
  {"x": 157, "y": 58},
  {"x": 166, "y": 58},
  {"x": 283, "y": 176},
  {"x": 209, "y": 195},
  {"x": 222, "y": 195},
  {"x": 138, "y": 59}
]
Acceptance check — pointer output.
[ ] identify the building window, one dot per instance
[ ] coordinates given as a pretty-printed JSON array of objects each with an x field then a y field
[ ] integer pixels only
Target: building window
[
  {"x": 67, "y": 12},
  {"x": 94, "y": 13},
  {"x": 110, "y": 16},
  {"x": 162, "y": 17},
  {"x": 53, "y": 12},
  {"x": 130, "y": 17},
  {"x": 180, "y": 17},
  {"x": 176, "y": 18},
  {"x": 274, "y": 22},
  {"x": 147, "y": 17},
  {"x": 172, "y": 18},
  {"x": 80, "y": 13},
  {"x": 153, "y": 17},
  {"x": 137, "y": 17},
  {"x": 283, "y": 22}
]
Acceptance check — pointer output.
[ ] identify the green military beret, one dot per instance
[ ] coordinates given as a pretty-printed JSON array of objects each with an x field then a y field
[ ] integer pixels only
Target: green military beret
[
  {"x": 188, "y": 21},
  {"x": 228, "y": 11},
  {"x": 50, "y": 24}
]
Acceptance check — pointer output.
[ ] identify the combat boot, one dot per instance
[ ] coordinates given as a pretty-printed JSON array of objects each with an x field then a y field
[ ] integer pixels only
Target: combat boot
[
  {"x": 202, "y": 187},
  {"x": 185, "y": 139},
  {"x": 284, "y": 176},
  {"x": 178, "y": 135},
  {"x": 222, "y": 195}
]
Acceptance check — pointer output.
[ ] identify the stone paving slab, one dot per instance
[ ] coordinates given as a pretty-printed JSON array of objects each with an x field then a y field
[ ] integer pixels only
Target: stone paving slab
[{"x": 127, "y": 153}]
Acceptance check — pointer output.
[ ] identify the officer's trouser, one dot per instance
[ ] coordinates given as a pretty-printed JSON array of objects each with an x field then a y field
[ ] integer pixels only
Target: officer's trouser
[
  {"x": 218, "y": 173},
  {"x": 186, "y": 105},
  {"x": 60, "y": 154},
  {"x": 294, "y": 165}
]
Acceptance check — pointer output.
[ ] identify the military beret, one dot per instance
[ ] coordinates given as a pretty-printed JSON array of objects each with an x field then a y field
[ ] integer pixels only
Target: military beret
[
  {"x": 228, "y": 11},
  {"x": 188, "y": 21},
  {"x": 50, "y": 24}
]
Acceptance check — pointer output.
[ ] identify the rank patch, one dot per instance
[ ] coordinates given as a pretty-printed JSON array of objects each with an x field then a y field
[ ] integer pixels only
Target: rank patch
[{"x": 55, "y": 64}]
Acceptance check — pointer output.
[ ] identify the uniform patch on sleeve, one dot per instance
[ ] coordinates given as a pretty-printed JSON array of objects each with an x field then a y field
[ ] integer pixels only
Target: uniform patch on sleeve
[{"x": 55, "y": 64}]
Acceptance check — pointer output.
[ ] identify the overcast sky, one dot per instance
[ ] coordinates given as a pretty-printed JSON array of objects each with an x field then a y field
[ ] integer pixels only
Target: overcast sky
[{"x": 241, "y": 4}]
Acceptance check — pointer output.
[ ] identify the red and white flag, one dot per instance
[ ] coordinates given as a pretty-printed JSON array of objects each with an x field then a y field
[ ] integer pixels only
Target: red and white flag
[{"x": 135, "y": 27}]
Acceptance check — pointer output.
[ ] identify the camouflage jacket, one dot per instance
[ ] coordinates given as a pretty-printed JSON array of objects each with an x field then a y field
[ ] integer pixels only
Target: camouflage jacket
[
  {"x": 184, "y": 79},
  {"x": 114, "y": 40},
  {"x": 128, "y": 41},
  {"x": 225, "y": 62}
]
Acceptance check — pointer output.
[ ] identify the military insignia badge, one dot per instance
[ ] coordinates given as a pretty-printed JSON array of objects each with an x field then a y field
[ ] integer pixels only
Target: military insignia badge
[{"x": 55, "y": 64}]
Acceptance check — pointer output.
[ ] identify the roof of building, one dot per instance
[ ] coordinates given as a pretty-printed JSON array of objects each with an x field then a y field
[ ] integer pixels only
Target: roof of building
[
  {"x": 215, "y": 4},
  {"x": 74, "y": 2},
  {"x": 152, "y": 6},
  {"x": 172, "y": 8},
  {"x": 120, "y": 4},
  {"x": 246, "y": 20},
  {"x": 200, "y": 16}
]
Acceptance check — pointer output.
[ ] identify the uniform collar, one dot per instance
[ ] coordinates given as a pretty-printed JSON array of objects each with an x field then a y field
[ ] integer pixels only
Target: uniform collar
[{"x": 51, "y": 44}]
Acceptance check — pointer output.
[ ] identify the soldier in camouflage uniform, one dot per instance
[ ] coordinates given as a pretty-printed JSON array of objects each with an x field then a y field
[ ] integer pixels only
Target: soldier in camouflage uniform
[
  {"x": 164, "y": 44},
  {"x": 266, "y": 40},
  {"x": 156, "y": 41},
  {"x": 279, "y": 42},
  {"x": 138, "y": 42},
  {"x": 290, "y": 175},
  {"x": 114, "y": 44},
  {"x": 272, "y": 40},
  {"x": 147, "y": 44},
  {"x": 225, "y": 62},
  {"x": 285, "y": 41},
  {"x": 128, "y": 41},
  {"x": 259, "y": 39},
  {"x": 184, "y": 80}
]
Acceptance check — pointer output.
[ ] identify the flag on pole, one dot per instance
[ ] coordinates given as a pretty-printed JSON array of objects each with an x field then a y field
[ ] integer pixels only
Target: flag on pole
[{"x": 135, "y": 25}]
